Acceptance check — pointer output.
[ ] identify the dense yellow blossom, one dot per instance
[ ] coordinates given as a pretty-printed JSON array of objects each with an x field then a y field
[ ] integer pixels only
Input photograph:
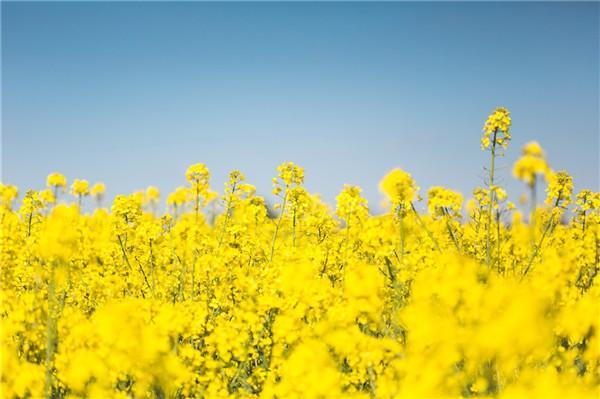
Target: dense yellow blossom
[
  {"x": 8, "y": 193},
  {"x": 220, "y": 296},
  {"x": 56, "y": 180},
  {"x": 178, "y": 197},
  {"x": 152, "y": 193},
  {"x": 351, "y": 206},
  {"x": 496, "y": 130},
  {"x": 444, "y": 202},
  {"x": 152, "y": 198},
  {"x": 290, "y": 173},
  {"x": 98, "y": 189},
  {"x": 399, "y": 187},
  {"x": 531, "y": 164},
  {"x": 198, "y": 174},
  {"x": 80, "y": 188},
  {"x": 560, "y": 189}
]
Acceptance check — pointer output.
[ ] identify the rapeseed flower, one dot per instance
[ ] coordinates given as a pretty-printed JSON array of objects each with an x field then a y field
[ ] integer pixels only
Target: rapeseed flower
[{"x": 220, "y": 295}]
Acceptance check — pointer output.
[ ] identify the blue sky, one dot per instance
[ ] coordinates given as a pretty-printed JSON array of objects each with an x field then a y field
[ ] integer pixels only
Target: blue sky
[{"x": 132, "y": 93}]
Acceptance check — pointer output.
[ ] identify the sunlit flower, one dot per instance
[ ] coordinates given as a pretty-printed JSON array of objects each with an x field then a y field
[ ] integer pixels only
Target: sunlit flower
[
  {"x": 399, "y": 187},
  {"x": 497, "y": 127},
  {"x": 531, "y": 164},
  {"x": 80, "y": 188}
]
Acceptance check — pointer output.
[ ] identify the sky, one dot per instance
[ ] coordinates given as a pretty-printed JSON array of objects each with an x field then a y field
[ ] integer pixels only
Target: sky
[{"x": 131, "y": 94}]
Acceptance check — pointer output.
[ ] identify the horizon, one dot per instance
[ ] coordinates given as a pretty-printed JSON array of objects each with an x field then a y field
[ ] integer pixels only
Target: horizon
[{"x": 347, "y": 91}]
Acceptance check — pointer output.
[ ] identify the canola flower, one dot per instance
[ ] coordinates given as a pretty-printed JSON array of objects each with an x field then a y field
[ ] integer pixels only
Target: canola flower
[
  {"x": 531, "y": 164},
  {"x": 8, "y": 193},
  {"x": 56, "y": 181},
  {"x": 98, "y": 191},
  {"x": 80, "y": 189},
  {"x": 399, "y": 187},
  {"x": 151, "y": 198},
  {"x": 496, "y": 130},
  {"x": 496, "y": 136},
  {"x": 57, "y": 184},
  {"x": 198, "y": 176},
  {"x": 220, "y": 296}
]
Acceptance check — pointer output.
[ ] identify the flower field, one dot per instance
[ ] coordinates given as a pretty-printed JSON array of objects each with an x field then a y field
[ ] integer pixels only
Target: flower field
[{"x": 220, "y": 295}]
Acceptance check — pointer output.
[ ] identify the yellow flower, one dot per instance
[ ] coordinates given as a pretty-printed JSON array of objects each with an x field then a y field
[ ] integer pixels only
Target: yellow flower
[
  {"x": 290, "y": 173},
  {"x": 56, "y": 180},
  {"x": 80, "y": 187},
  {"x": 152, "y": 194},
  {"x": 47, "y": 196},
  {"x": 399, "y": 187},
  {"x": 127, "y": 209},
  {"x": 198, "y": 174},
  {"x": 351, "y": 205},
  {"x": 8, "y": 193},
  {"x": 178, "y": 197},
  {"x": 533, "y": 148},
  {"x": 497, "y": 126},
  {"x": 560, "y": 189},
  {"x": 236, "y": 177},
  {"x": 531, "y": 164},
  {"x": 59, "y": 237},
  {"x": 444, "y": 202},
  {"x": 98, "y": 190},
  {"x": 246, "y": 302}
]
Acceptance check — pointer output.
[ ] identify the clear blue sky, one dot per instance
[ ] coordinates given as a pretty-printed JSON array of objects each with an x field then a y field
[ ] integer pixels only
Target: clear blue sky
[{"x": 133, "y": 93}]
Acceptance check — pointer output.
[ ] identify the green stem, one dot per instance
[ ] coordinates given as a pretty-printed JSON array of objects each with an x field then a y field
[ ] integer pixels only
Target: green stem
[
  {"x": 197, "y": 202},
  {"x": 129, "y": 263},
  {"x": 152, "y": 267},
  {"x": 498, "y": 240},
  {"x": 431, "y": 237},
  {"x": 347, "y": 241},
  {"x": 227, "y": 216},
  {"x": 55, "y": 189},
  {"x": 29, "y": 222},
  {"x": 533, "y": 207},
  {"x": 491, "y": 200},
  {"x": 193, "y": 279},
  {"x": 180, "y": 294},
  {"x": 50, "y": 335},
  {"x": 402, "y": 232},
  {"x": 278, "y": 223},
  {"x": 294, "y": 228},
  {"x": 145, "y": 276},
  {"x": 536, "y": 248},
  {"x": 451, "y": 230}
]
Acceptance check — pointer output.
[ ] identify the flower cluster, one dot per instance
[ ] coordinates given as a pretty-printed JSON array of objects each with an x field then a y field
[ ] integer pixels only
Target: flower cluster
[
  {"x": 289, "y": 175},
  {"x": 56, "y": 180},
  {"x": 531, "y": 164},
  {"x": 224, "y": 296},
  {"x": 560, "y": 189},
  {"x": 399, "y": 187},
  {"x": 351, "y": 206},
  {"x": 496, "y": 130},
  {"x": 444, "y": 202},
  {"x": 80, "y": 188}
]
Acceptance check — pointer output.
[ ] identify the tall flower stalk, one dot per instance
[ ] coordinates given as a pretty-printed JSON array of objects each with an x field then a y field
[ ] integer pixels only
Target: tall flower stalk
[
  {"x": 527, "y": 169},
  {"x": 496, "y": 135},
  {"x": 198, "y": 176},
  {"x": 289, "y": 177}
]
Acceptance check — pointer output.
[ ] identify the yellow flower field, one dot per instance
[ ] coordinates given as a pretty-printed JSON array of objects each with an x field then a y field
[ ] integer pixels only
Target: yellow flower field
[{"x": 472, "y": 298}]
